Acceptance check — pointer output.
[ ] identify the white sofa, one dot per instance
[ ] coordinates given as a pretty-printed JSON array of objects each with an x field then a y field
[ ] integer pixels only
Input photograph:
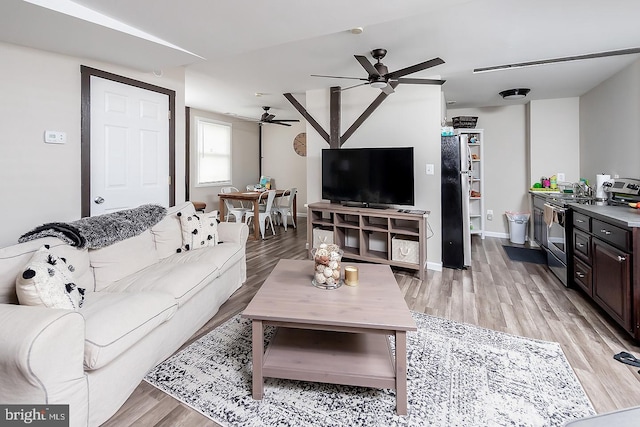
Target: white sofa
[{"x": 143, "y": 300}]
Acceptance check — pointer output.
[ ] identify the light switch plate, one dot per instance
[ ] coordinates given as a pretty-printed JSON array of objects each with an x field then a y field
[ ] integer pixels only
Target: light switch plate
[{"x": 430, "y": 168}]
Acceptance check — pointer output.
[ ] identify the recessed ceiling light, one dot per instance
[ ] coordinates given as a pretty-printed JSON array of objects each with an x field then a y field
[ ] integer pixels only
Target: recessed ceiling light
[
  {"x": 357, "y": 30},
  {"x": 258, "y": 94},
  {"x": 515, "y": 93}
]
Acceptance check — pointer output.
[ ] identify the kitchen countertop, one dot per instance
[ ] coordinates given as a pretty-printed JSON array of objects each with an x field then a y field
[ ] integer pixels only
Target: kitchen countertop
[{"x": 618, "y": 215}]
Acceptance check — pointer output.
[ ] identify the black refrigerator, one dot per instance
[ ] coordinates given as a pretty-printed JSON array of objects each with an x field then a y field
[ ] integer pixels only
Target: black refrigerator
[{"x": 454, "y": 204}]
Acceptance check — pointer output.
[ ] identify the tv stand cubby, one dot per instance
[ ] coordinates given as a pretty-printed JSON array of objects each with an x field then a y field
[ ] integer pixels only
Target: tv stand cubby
[{"x": 371, "y": 234}]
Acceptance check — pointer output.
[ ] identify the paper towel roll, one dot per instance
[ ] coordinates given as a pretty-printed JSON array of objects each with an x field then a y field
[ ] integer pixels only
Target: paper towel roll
[{"x": 601, "y": 179}]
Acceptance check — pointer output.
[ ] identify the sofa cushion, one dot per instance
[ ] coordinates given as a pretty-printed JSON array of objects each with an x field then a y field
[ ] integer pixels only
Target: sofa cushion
[
  {"x": 167, "y": 234},
  {"x": 199, "y": 230},
  {"x": 47, "y": 280},
  {"x": 181, "y": 281},
  {"x": 79, "y": 258},
  {"x": 122, "y": 259},
  {"x": 116, "y": 321},
  {"x": 223, "y": 256},
  {"x": 14, "y": 258}
]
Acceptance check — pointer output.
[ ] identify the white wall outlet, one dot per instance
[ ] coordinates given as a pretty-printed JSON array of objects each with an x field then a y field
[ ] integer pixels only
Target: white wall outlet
[
  {"x": 430, "y": 169},
  {"x": 489, "y": 214},
  {"x": 55, "y": 137}
]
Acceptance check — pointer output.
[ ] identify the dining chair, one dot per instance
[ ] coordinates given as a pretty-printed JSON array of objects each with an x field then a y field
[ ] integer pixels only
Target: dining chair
[
  {"x": 234, "y": 207},
  {"x": 264, "y": 212},
  {"x": 285, "y": 207}
]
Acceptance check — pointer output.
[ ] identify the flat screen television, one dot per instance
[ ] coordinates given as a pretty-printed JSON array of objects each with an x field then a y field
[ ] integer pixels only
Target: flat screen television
[{"x": 369, "y": 176}]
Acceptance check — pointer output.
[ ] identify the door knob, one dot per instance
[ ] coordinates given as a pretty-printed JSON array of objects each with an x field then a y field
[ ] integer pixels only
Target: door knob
[
  {"x": 621, "y": 258},
  {"x": 98, "y": 200}
]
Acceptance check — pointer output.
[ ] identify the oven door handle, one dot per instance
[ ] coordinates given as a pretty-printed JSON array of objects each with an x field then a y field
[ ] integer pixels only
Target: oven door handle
[
  {"x": 557, "y": 215},
  {"x": 556, "y": 208}
]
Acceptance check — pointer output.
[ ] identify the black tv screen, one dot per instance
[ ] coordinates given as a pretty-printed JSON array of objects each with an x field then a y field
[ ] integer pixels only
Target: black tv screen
[{"x": 378, "y": 176}]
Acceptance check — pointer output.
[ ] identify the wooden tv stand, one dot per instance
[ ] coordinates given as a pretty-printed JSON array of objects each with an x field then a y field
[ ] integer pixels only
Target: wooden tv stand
[{"x": 370, "y": 235}]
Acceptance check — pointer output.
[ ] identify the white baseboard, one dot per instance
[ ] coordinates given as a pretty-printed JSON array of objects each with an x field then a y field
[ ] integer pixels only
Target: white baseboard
[
  {"x": 496, "y": 234},
  {"x": 435, "y": 266}
]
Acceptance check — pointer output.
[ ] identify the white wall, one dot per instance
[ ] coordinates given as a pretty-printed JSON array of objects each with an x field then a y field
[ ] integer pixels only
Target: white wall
[
  {"x": 244, "y": 157},
  {"x": 610, "y": 126},
  {"x": 409, "y": 117},
  {"x": 554, "y": 138},
  {"x": 279, "y": 161},
  {"x": 41, "y": 91},
  {"x": 505, "y": 158}
]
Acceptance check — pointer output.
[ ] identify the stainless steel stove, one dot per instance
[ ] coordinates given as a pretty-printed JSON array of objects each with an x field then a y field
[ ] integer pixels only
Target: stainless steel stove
[{"x": 622, "y": 191}]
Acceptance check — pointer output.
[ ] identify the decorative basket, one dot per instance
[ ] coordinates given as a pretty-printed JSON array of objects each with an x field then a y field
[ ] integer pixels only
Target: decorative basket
[{"x": 465, "y": 122}]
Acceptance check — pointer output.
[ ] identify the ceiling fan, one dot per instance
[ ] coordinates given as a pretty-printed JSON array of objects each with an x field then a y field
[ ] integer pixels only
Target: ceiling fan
[
  {"x": 380, "y": 77},
  {"x": 270, "y": 118}
]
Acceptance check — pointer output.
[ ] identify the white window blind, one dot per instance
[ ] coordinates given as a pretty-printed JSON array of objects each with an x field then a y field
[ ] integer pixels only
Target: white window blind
[{"x": 213, "y": 164}]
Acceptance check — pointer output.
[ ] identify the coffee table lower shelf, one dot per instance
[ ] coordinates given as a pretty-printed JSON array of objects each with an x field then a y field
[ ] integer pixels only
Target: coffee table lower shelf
[{"x": 359, "y": 359}]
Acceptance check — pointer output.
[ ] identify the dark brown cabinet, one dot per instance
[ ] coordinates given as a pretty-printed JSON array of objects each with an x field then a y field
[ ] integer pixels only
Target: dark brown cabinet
[
  {"x": 603, "y": 268},
  {"x": 539, "y": 226},
  {"x": 611, "y": 281}
]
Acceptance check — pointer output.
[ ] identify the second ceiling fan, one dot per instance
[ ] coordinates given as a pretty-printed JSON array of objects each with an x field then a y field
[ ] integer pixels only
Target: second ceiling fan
[
  {"x": 380, "y": 77},
  {"x": 270, "y": 118}
]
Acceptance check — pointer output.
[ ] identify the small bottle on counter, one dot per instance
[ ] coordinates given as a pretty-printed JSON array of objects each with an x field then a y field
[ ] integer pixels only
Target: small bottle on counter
[{"x": 553, "y": 182}]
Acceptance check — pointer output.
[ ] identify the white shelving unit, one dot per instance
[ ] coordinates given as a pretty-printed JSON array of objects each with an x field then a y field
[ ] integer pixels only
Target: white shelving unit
[{"x": 475, "y": 142}]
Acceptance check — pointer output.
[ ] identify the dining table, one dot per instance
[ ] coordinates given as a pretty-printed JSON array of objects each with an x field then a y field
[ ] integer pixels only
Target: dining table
[{"x": 252, "y": 197}]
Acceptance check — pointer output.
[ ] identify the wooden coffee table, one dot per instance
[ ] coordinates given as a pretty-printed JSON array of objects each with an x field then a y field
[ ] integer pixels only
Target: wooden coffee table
[{"x": 332, "y": 336}]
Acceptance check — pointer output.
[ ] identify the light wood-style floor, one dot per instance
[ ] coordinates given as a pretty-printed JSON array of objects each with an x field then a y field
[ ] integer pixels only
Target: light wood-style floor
[{"x": 518, "y": 298}]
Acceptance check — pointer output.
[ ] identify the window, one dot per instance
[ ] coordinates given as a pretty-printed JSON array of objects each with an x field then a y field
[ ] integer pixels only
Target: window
[{"x": 213, "y": 162}]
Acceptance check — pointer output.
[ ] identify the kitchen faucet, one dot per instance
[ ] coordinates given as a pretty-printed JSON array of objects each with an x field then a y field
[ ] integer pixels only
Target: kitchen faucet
[{"x": 582, "y": 189}]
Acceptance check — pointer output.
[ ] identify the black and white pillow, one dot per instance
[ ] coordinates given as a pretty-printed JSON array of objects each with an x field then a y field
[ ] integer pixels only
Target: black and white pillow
[
  {"x": 199, "y": 230},
  {"x": 47, "y": 280}
]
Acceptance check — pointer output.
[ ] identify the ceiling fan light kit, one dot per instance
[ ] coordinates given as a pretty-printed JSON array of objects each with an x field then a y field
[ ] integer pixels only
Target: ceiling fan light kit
[{"x": 515, "y": 93}]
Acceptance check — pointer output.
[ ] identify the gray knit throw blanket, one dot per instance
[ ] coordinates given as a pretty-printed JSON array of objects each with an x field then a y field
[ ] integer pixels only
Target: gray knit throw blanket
[{"x": 101, "y": 230}]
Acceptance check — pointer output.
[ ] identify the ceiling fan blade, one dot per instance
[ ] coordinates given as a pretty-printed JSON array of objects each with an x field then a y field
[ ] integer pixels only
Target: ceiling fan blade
[
  {"x": 368, "y": 66},
  {"x": 269, "y": 118},
  {"x": 421, "y": 81},
  {"x": 388, "y": 89},
  {"x": 415, "y": 68},
  {"x": 279, "y": 123},
  {"x": 337, "y": 77},
  {"x": 351, "y": 87},
  {"x": 562, "y": 59},
  {"x": 285, "y": 120}
]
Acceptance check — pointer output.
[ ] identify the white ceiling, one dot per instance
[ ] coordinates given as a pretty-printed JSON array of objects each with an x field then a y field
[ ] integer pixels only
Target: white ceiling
[{"x": 242, "y": 47}]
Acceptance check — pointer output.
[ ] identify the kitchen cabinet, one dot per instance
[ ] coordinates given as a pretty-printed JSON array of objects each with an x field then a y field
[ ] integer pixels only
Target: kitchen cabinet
[
  {"x": 602, "y": 255},
  {"x": 539, "y": 226},
  {"x": 611, "y": 281},
  {"x": 475, "y": 143}
]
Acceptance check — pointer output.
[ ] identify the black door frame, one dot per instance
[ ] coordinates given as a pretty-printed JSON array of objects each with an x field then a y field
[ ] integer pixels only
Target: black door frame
[{"x": 85, "y": 131}]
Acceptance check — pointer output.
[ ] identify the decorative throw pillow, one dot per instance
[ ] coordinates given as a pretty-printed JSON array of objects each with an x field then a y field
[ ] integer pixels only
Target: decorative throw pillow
[
  {"x": 48, "y": 280},
  {"x": 198, "y": 230}
]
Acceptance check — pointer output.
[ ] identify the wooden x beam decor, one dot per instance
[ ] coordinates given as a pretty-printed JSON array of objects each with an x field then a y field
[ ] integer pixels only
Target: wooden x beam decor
[{"x": 334, "y": 139}]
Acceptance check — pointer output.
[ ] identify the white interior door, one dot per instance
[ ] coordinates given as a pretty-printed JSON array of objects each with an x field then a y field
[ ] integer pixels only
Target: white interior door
[{"x": 129, "y": 146}]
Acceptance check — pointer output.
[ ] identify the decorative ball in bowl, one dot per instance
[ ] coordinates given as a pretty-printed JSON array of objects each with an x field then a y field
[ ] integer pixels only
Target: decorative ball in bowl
[{"x": 326, "y": 266}]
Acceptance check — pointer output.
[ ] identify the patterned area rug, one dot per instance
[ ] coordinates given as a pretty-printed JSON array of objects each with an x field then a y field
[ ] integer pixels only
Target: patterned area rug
[{"x": 458, "y": 374}]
